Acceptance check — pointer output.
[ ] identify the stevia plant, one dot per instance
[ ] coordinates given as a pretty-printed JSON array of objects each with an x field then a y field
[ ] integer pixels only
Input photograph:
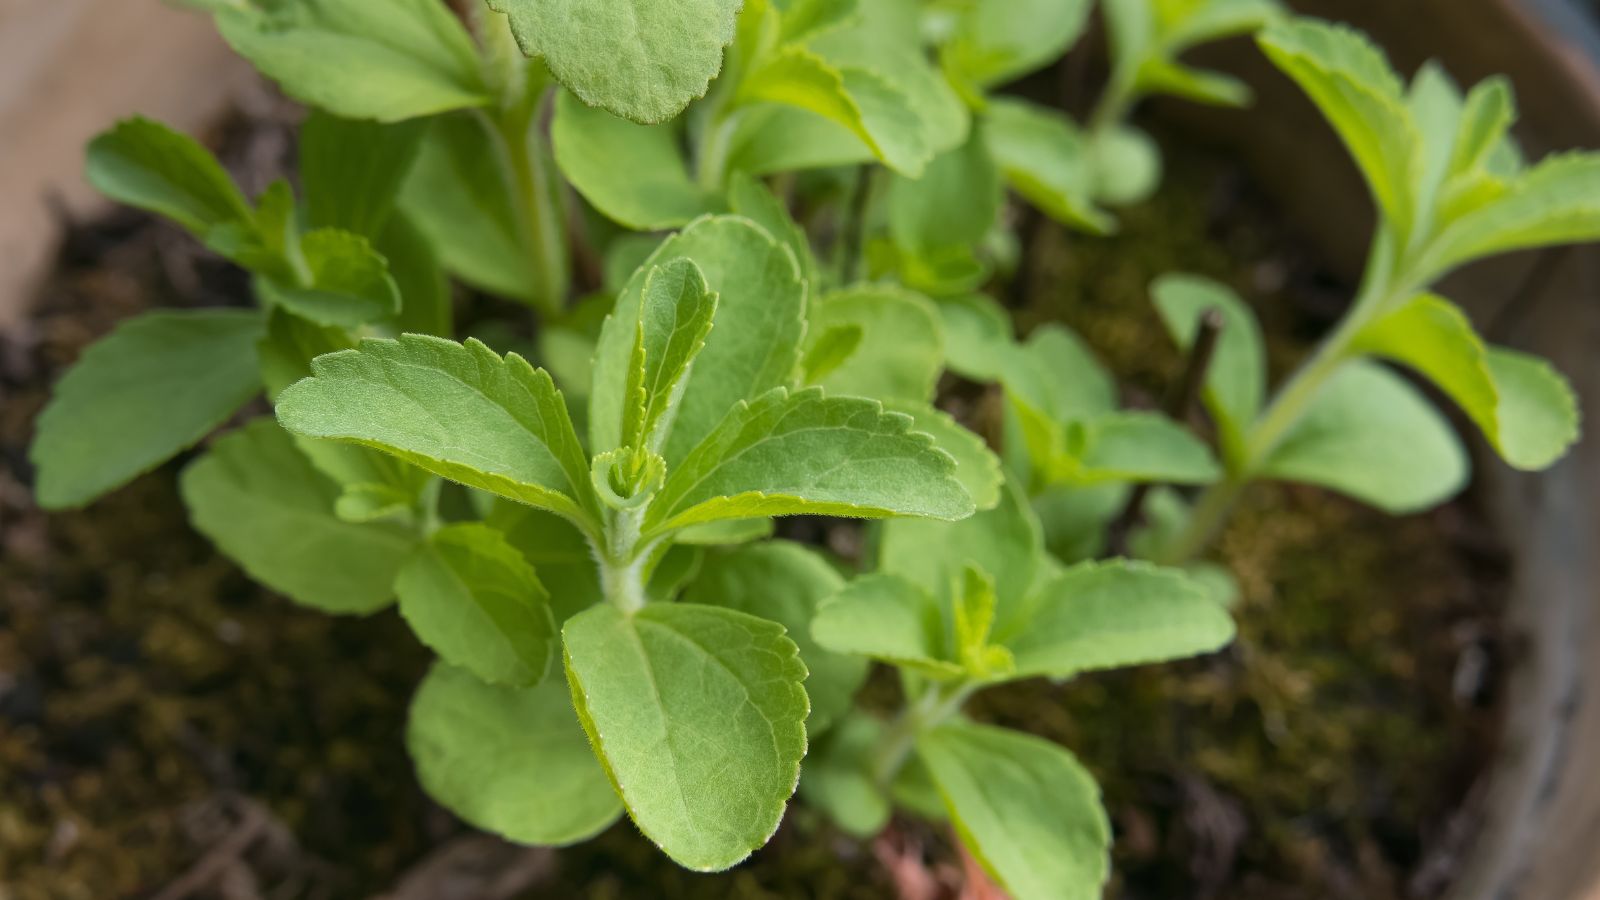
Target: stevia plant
[{"x": 837, "y": 172}]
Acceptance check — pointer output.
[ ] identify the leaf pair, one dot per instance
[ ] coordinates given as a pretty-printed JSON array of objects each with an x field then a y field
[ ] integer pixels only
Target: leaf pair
[
  {"x": 1023, "y": 806},
  {"x": 1062, "y": 409},
  {"x": 1443, "y": 167},
  {"x": 1366, "y": 431}
]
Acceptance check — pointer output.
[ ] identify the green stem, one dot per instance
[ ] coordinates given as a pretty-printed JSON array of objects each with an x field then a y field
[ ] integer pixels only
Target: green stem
[
  {"x": 711, "y": 165},
  {"x": 938, "y": 702},
  {"x": 537, "y": 205},
  {"x": 1381, "y": 285}
]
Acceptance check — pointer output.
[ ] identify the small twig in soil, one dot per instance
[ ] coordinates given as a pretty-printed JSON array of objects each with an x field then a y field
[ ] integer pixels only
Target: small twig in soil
[
  {"x": 1180, "y": 400},
  {"x": 223, "y": 855}
]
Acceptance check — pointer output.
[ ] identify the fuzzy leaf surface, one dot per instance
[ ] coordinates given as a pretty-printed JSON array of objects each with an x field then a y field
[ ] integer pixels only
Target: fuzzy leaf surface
[
  {"x": 698, "y": 715},
  {"x": 640, "y": 59},
  {"x": 901, "y": 350},
  {"x": 147, "y": 165},
  {"x": 593, "y": 146},
  {"x": 471, "y": 597},
  {"x": 806, "y": 453},
  {"x": 462, "y": 412},
  {"x": 361, "y": 60},
  {"x": 785, "y": 582},
  {"x": 889, "y": 619}
]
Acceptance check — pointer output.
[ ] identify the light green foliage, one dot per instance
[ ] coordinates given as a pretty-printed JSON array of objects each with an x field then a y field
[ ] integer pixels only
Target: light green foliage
[
  {"x": 1046, "y": 159},
  {"x": 1550, "y": 203},
  {"x": 513, "y": 761},
  {"x": 753, "y": 346},
  {"x": 260, "y": 500},
  {"x": 1112, "y": 615},
  {"x": 459, "y": 411},
  {"x": 157, "y": 384},
  {"x": 361, "y": 60},
  {"x": 1524, "y": 407},
  {"x": 289, "y": 346},
  {"x": 458, "y": 196},
  {"x": 1237, "y": 376},
  {"x": 592, "y": 146},
  {"x": 807, "y": 453},
  {"x": 1351, "y": 81},
  {"x": 352, "y": 170},
  {"x": 1126, "y": 164},
  {"x": 557, "y": 550},
  {"x": 936, "y": 220},
  {"x": 803, "y": 19},
  {"x": 837, "y": 778},
  {"x": 1369, "y": 434},
  {"x": 640, "y": 59},
  {"x": 900, "y": 351},
  {"x": 862, "y": 101},
  {"x": 977, "y": 336},
  {"x": 344, "y": 282},
  {"x": 977, "y": 467},
  {"x": 994, "y": 43},
  {"x": 698, "y": 715},
  {"x": 748, "y": 197},
  {"x": 148, "y": 165},
  {"x": 1070, "y": 432},
  {"x": 415, "y": 267},
  {"x": 887, "y": 618},
  {"x": 675, "y": 316},
  {"x": 785, "y": 582},
  {"x": 471, "y": 597},
  {"x": 1025, "y": 807},
  {"x": 1148, "y": 36}
]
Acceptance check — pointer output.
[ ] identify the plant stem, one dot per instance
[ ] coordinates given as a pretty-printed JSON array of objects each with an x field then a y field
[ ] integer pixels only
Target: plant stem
[
  {"x": 622, "y": 560},
  {"x": 537, "y": 204},
  {"x": 938, "y": 702},
  {"x": 1383, "y": 283}
]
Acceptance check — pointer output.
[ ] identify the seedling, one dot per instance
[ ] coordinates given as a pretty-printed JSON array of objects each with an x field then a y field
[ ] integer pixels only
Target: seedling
[{"x": 739, "y": 369}]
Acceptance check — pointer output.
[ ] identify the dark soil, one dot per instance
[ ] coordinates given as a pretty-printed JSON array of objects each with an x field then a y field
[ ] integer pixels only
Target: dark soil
[{"x": 159, "y": 711}]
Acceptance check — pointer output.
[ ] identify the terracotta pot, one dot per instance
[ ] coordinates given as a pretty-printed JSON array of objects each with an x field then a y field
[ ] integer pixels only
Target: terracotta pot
[{"x": 1541, "y": 803}]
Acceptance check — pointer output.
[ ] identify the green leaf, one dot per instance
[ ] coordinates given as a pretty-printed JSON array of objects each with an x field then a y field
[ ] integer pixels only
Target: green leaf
[
  {"x": 901, "y": 350},
  {"x": 289, "y": 346},
  {"x": 1372, "y": 436},
  {"x": 977, "y": 336},
  {"x": 1353, "y": 84},
  {"x": 995, "y": 43},
  {"x": 748, "y": 197},
  {"x": 699, "y": 717},
  {"x": 147, "y": 165},
  {"x": 640, "y": 59},
  {"x": 1236, "y": 379},
  {"x": 887, "y": 618},
  {"x": 803, "y": 19},
  {"x": 1024, "y": 807},
  {"x": 977, "y": 467},
  {"x": 1524, "y": 407},
  {"x": 352, "y": 170},
  {"x": 592, "y": 147},
  {"x": 424, "y": 290},
  {"x": 361, "y": 60},
  {"x": 1552, "y": 203},
  {"x": 1005, "y": 542},
  {"x": 558, "y": 552},
  {"x": 459, "y": 411},
  {"x": 1132, "y": 446},
  {"x": 674, "y": 319},
  {"x": 1045, "y": 158},
  {"x": 955, "y": 203},
  {"x": 157, "y": 384},
  {"x": 471, "y": 597},
  {"x": 831, "y": 348},
  {"x": 1112, "y": 615},
  {"x": 862, "y": 101},
  {"x": 808, "y": 454},
  {"x": 725, "y": 532},
  {"x": 459, "y": 195},
  {"x": 1127, "y": 166},
  {"x": 1057, "y": 375},
  {"x": 837, "y": 777},
  {"x": 349, "y": 282},
  {"x": 754, "y": 344},
  {"x": 974, "y": 613},
  {"x": 785, "y": 582},
  {"x": 510, "y": 761},
  {"x": 259, "y": 499}
]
